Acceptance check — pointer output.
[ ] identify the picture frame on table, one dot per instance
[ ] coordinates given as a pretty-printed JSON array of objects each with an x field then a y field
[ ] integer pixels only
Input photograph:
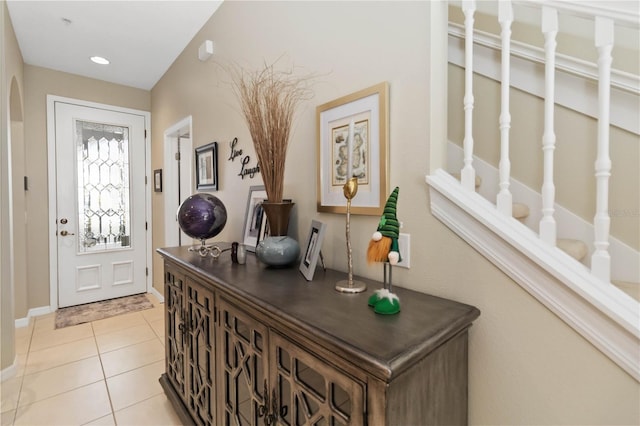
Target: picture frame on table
[
  {"x": 254, "y": 217},
  {"x": 157, "y": 180},
  {"x": 311, "y": 250},
  {"x": 365, "y": 115},
  {"x": 207, "y": 167}
]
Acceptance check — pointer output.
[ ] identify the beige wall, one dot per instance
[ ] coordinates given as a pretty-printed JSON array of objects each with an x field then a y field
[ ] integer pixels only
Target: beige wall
[
  {"x": 526, "y": 366},
  {"x": 40, "y": 82}
]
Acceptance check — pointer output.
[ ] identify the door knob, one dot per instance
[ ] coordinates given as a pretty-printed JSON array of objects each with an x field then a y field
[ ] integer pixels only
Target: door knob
[{"x": 65, "y": 233}]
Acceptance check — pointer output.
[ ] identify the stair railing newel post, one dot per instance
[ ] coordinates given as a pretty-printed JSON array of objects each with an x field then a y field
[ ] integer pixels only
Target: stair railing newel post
[
  {"x": 548, "y": 191},
  {"x": 601, "y": 260}
]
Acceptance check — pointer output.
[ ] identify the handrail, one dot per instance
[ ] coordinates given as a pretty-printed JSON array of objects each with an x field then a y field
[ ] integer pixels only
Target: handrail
[{"x": 629, "y": 17}]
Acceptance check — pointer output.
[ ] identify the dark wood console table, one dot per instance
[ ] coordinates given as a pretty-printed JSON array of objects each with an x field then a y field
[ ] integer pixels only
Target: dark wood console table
[{"x": 246, "y": 344}]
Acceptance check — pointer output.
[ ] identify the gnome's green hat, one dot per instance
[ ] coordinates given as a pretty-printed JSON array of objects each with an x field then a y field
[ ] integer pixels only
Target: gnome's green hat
[{"x": 389, "y": 225}]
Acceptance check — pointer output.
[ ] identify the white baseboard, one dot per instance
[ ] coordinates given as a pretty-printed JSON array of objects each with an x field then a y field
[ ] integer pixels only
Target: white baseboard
[
  {"x": 10, "y": 371},
  {"x": 157, "y": 294},
  {"x": 34, "y": 312}
]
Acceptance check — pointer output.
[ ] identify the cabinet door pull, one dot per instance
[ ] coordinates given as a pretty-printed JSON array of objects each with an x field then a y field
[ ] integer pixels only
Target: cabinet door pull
[
  {"x": 262, "y": 409},
  {"x": 274, "y": 407}
]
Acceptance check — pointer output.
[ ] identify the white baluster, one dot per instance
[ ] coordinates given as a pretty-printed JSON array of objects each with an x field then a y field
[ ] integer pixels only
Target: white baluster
[
  {"x": 468, "y": 174},
  {"x": 601, "y": 261},
  {"x": 504, "y": 200},
  {"x": 550, "y": 31}
]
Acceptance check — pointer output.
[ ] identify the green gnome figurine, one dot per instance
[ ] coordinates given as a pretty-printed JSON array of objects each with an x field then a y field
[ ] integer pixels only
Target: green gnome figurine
[{"x": 384, "y": 247}]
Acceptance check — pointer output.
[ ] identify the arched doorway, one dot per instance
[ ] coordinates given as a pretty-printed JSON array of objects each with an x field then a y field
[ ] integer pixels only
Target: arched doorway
[{"x": 19, "y": 183}]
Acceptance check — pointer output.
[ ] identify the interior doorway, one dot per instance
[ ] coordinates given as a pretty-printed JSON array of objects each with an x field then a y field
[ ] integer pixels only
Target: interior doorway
[{"x": 177, "y": 179}]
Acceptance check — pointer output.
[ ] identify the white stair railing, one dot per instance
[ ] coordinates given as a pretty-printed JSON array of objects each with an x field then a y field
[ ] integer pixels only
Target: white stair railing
[
  {"x": 584, "y": 298},
  {"x": 548, "y": 191},
  {"x": 468, "y": 174},
  {"x": 601, "y": 261},
  {"x": 504, "y": 200}
]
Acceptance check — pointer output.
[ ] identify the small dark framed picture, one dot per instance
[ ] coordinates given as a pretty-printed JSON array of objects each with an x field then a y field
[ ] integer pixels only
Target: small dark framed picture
[
  {"x": 311, "y": 250},
  {"x": 157, "y": 180},
  {"x": 207, "y": 167}
]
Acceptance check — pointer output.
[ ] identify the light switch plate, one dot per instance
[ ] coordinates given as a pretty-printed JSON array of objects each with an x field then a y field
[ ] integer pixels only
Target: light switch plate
[{"x": 404, "y": 245}]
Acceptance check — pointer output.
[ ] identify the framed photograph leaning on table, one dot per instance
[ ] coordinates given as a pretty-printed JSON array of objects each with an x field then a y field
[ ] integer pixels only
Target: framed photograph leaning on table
[{"x": 311, "y": 250}]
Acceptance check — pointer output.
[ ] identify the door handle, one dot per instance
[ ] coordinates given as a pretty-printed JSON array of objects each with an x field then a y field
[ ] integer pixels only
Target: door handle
[{"x": 65, "y": 233}]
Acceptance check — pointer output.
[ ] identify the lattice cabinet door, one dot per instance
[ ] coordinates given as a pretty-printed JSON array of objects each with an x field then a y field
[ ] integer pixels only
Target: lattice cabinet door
[
  {"x": 200, "y": 366},
  {"x": 175, "y": 319},
  {"x": 242, "y": 367},
  {"x": 309, "y": 391}
]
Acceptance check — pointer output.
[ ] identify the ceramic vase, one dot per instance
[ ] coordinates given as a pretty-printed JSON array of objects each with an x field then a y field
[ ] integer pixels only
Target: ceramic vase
[{"x": 278, "y": 249}]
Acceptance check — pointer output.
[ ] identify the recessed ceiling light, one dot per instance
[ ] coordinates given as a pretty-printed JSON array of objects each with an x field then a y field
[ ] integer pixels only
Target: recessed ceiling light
[{"x": 100, "y": 60}]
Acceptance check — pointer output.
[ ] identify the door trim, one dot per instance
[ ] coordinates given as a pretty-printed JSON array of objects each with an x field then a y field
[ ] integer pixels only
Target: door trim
[
  {"x": 171, "y": 175},
  {"x": 51, "y": 161}
]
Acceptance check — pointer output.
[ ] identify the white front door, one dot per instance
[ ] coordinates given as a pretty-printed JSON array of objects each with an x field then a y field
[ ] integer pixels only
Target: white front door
[{"x": 100, "y": 203}]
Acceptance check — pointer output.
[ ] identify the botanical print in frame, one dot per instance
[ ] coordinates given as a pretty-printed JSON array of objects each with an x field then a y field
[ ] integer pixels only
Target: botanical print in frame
[{"x": 360, "y": 151}]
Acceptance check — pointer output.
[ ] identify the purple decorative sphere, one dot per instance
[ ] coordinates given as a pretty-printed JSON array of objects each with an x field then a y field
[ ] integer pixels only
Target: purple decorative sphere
[{"x": 202, "y": 216}]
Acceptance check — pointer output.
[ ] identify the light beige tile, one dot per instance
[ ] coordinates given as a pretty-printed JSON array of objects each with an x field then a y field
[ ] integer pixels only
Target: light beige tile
[
  {"x": 25, "y": 331},
  {"x": 102, "y": 421},
  {"x": 22, "y": 362},
  {"x": 9, "y": 393},
  {"x": 22, "y": 344},
  {"x": 130, "y": 357},
  {"x": 61, "y": 354},
  {"x": 120, "y": 339},
  {"x": 117, "y": 323},
  {"x": 158, "y": 328},
  {"x": 135, "y": 386},
  {"x": 47, "y": 339},
  {"x": 54, "y": 381},
  {"x": 6, "y": 418},
  {"x": 75, "y": 407},
  {"x": 45, "y": 323},
  {"x": 153, "y": 314},
  {"x": 153, "y": 411}
]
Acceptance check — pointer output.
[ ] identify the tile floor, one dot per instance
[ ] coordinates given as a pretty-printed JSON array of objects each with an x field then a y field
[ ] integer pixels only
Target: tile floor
[{"x": 100, "y": 373}]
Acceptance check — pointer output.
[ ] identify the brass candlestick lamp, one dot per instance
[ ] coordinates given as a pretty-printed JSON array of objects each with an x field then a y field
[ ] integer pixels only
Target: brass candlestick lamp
[{"x": 350, "y": 190}]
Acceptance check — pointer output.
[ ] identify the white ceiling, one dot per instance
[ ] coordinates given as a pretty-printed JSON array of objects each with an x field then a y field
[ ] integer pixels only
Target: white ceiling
[{"x": 140, "y": 38}]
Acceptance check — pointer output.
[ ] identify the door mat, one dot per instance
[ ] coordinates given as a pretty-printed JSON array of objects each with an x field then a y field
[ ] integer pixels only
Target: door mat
[{"x": 88, "y": 312}]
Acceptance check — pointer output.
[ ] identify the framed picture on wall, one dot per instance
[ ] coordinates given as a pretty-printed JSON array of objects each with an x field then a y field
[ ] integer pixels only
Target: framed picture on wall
[
  {"x": 207, "y": 167},
  {"x": 157, "y": 180},
  {"x": 352, "y": 142}
]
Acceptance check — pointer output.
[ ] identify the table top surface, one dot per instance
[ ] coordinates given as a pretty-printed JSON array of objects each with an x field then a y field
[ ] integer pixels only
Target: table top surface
[{"x": 388, "y": 343}]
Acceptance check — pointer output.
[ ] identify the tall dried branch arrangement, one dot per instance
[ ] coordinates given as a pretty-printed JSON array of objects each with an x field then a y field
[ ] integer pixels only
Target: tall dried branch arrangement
[{"x": 268, "y": 99}]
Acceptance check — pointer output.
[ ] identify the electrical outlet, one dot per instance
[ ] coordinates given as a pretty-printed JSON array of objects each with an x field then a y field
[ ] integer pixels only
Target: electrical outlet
[{"x": 404, "y": 245}]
